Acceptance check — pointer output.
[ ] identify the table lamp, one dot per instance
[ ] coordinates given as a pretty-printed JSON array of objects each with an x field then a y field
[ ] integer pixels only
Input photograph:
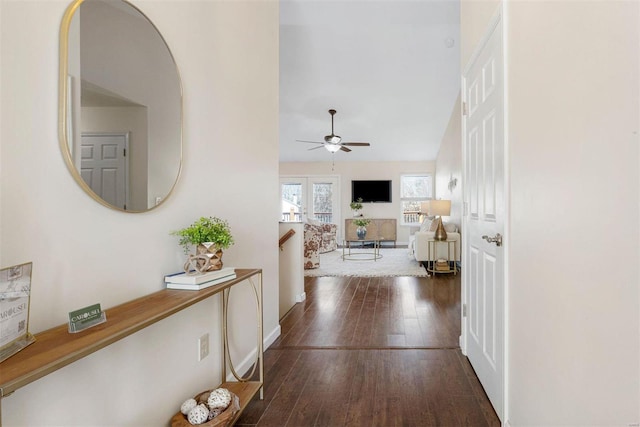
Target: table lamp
[{"x": 440, "y": 208}]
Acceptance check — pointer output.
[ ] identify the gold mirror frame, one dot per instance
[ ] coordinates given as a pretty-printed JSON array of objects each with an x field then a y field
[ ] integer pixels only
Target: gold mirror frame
[{"x": 63, "y": 108}]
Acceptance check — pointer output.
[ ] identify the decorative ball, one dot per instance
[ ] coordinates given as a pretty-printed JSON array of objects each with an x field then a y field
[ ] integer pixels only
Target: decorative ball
[
  {"x": 198, "y": 415},
  {"x": 214, "y": 413},
  {"x": 219, "y": 398},
  {"x": 202, "y": 398},
  {"x": 188, "y": 405}
]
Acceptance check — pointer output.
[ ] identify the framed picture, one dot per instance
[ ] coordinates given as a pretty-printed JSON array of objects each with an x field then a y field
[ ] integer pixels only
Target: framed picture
[{"x": 15, "y": 295}]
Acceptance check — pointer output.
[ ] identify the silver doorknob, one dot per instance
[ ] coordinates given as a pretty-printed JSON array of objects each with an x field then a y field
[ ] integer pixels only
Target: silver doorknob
[{"x": 497, "y": 239}]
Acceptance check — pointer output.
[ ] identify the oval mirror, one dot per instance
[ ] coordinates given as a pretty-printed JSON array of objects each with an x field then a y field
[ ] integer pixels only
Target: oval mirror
[{"x": 120, "y": 106}]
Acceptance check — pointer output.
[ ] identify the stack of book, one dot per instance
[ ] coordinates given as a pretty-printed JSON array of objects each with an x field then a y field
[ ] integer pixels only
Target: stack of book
[
  {"x": 442, "y": 265},
  {"x": 196, "y": 282}
]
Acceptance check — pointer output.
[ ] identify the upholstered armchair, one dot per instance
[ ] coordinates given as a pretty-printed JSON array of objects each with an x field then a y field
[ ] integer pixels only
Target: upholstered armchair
[{"x": 319, "y": 237}]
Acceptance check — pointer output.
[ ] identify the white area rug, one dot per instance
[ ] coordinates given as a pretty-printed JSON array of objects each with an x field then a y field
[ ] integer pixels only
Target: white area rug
[{"x": 394, "y": 262}]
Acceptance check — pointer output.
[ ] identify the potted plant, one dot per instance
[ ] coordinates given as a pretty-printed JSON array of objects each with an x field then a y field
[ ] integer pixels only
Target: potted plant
[
  {"x": 210, "y": 235},
  {"x": 361, "y": 223},
  {"x": 356, "y": 206}
]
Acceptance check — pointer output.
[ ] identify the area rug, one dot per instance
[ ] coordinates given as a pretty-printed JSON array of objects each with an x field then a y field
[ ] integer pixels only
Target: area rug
[{"x": 394, "y": 262}]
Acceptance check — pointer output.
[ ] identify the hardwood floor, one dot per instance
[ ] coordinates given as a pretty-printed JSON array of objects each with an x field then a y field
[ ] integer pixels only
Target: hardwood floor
[{"x": 379, "y": 351}]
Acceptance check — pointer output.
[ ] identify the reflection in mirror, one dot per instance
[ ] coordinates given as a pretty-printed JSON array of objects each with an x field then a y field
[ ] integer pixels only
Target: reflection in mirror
[{"x": 120, "y": 105}]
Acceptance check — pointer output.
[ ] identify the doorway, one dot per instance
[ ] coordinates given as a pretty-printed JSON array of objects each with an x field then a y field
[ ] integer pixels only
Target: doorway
[
  {"x": 103, "y": 166},
  {"x": 483, "y": 293}
]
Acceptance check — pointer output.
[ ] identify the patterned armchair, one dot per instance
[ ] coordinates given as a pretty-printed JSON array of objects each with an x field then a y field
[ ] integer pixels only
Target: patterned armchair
[{"x": 319, "y": 238}]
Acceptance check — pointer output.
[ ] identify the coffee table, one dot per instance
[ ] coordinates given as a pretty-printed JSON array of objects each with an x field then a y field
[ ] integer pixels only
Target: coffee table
[{"x": 374, "y": 254}]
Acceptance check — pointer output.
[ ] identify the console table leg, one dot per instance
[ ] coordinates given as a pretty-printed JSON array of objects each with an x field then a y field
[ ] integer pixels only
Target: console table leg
[{"x": 260, "y": 349}]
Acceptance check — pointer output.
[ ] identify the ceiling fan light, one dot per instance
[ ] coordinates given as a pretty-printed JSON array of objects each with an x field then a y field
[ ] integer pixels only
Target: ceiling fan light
[
  {"x": 332, "y": 148},
  {"x": 332, "y": 139}
]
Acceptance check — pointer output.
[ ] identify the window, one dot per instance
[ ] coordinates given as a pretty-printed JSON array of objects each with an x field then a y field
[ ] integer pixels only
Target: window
[
  {"x": 310, "y": 197},
  {"x": 323, "y": 201},
  {"x": 291, "y": 200},
  {"x": 413, "y": 190}
]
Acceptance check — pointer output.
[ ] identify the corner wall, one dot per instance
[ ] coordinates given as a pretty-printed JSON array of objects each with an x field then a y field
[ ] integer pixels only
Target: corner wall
[
  {"x": 84, "y": 253},
  {"x": 449, "y": 166},
  {"x": 572, "y": 127},
  {"x": 573, "y": 130}
]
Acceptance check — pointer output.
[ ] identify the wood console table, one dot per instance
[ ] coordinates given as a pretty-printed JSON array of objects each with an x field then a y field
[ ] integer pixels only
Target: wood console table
[
  {"x": 384, "y": 228},
  {"x": 56, "y": 347}
]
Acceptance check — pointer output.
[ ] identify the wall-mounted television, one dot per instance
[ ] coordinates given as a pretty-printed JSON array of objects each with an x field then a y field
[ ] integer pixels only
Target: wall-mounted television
[{"x": 371, "y": 191}]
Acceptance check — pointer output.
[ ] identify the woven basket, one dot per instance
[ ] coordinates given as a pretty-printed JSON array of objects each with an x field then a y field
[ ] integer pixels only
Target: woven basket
[{"x": 222, "y": 420}]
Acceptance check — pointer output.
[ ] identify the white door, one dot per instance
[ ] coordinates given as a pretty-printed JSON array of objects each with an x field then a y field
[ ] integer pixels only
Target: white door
[
  {"x": 315, "y": 197},
  {"x": 293, "y": 193},
  {"x": 483, "y": 275},
  {"x": 104, "y": 166}
]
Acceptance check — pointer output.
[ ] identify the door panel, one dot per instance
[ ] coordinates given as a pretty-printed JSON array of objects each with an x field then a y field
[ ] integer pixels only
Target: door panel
[
  {"x": 472, "y": 176},
  {"x": 489, "y": 169},
  {"x": 490, "y": 310},
  {"x": 473, "y": 283}
]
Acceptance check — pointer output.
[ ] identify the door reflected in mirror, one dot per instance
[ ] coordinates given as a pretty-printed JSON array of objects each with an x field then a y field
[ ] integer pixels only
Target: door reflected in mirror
[{"x": 120, "y": 105}]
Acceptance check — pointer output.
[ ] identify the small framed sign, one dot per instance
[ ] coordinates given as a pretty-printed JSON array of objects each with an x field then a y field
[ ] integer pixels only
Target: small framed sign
[
  {"x": 15, "y": 296},
  {"x": 86, "y": 317}
]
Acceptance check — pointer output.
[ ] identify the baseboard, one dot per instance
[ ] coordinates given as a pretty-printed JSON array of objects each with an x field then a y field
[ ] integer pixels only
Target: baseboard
[
  {"x": 246, "y": 363},
  {"x": 272, "y": 337},
  {"x": 301, "y": 297}
]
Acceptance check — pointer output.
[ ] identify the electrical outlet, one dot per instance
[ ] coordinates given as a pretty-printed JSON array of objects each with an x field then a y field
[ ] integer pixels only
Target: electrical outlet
[{"x": 203, "y": 347}]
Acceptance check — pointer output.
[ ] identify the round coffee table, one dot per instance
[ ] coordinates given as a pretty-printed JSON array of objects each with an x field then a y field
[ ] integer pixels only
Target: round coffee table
[{"x": 372, "y": 255}]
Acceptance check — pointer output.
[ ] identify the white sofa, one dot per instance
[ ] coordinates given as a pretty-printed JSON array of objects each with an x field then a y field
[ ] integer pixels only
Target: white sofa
[{"x": 418, "y": 242}]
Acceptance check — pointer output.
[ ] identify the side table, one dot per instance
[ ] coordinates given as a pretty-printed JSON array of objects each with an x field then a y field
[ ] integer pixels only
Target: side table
[{"x": 451, "y": 256}]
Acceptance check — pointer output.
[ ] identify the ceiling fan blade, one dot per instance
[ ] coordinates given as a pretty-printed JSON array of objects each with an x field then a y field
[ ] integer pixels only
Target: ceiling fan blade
[
  {"x": 315, "y": 148},
  {"x": 357, "y": 144},
  {"x": 309, "y": 142},
  {"x": 343, "y": 148}
]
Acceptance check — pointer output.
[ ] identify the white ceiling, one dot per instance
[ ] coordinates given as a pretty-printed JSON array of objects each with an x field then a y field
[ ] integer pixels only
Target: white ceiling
[{"x": 383, "y": 65}]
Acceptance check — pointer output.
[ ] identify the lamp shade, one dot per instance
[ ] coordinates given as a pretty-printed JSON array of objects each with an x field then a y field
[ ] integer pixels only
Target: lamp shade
[
  {"x": 424, "y": 208},
  {"x": 332, "y": 147},
  {"x": 440, "y": 207}
]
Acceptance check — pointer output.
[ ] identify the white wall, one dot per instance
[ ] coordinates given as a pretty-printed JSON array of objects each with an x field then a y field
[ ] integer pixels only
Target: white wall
[
  {"x": 85, "y": 253},
  {"x": 291, "y": 267},
  {"x": 2, "y": 94},
  {"x": 573, "y": 282},
  {"x": 474, "y": 18},
  {"x": 449, "y": 166},
  {"x": 348, "y": 171}
]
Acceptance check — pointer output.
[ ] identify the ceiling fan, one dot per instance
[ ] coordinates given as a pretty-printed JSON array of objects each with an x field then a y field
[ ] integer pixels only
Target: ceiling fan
[{"x": 333, "y": 142}]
